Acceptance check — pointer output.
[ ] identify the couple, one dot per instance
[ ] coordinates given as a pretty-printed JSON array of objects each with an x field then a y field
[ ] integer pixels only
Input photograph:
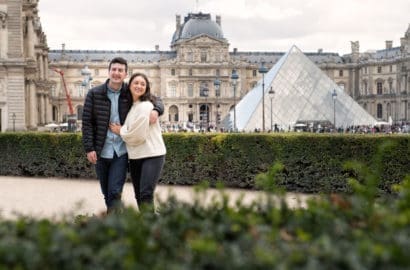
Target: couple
[{"x": 120, "y": 129}]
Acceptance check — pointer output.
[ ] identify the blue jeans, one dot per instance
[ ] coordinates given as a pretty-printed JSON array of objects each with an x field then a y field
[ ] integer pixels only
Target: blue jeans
[{"x": 111, "y": 172}]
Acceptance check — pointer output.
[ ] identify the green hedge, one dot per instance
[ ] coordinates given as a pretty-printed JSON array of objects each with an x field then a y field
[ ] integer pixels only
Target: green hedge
[
  {"x": 312, "y": 162},
  {"x": 335, "y": 232}
]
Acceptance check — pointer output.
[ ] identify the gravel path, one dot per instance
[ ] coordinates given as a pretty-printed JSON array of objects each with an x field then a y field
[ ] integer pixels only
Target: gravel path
[{"x": 54, "y": 197}]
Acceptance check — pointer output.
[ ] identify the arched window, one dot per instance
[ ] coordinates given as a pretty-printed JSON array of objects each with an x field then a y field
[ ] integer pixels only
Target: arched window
[
  {"x": 204, "y": 115},
  {"x": 379, "y": 111},
  {"x": 173, "y": 114}
]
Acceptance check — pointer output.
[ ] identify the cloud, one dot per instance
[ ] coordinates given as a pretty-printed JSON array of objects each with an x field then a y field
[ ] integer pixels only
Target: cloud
[{"x": 247, "y": 24}]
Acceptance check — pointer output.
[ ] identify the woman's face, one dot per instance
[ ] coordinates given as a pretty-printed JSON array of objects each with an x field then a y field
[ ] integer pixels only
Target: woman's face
[{"x": 138, "y": 87}]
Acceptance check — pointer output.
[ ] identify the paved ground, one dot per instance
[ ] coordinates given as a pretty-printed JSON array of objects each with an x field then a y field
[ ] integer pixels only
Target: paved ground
[{"x": 54, "y": 197}]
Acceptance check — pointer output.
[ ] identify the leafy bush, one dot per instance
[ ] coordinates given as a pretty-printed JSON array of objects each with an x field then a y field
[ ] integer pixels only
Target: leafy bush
[{"x": 312, "y": 163}]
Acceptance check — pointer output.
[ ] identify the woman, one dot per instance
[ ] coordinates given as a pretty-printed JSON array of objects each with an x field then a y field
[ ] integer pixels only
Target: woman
[{"x": 145, "y": 146}]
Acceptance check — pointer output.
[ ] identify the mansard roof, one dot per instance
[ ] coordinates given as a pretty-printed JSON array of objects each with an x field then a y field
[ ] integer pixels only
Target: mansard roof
[
  {"x": 273, "y": 57},
  {"x": 97, "y": 56}
]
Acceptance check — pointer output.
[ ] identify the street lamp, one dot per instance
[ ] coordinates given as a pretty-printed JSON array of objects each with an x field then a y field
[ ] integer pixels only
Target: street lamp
[
  {"x": 271, "y": 94},
  {"x": 234, "y": 78},
  {"x": 13, "y": 117},
  {"x": 217, "y": 84},
  {"x": 205, "y": 92},
  {"x": 263, "y": 70},
  {"x": 334, "y": 96}
]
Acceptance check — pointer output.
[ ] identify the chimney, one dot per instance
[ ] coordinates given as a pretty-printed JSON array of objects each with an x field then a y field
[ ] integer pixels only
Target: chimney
[
  {"x": 389, "y": 44},
  {"x": 178, "y": 21},
  {"x": 157, "y": 47},
  {"x": 355, "y": 45},
  {"x": 218, "y": 19},
  {"x": 63, "y": 50},
  {"x": 320, "y": 50},
  {"x": 235, "y": 50}
]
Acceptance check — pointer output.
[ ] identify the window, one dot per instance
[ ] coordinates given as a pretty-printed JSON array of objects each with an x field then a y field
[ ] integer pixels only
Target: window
[
  {"x": 390, "y": 86},
  {"x": 341, "y": 73},
  {"x": 218, "y": 57},
  {"x": 189, "y": 57},
  {"x": 379, "y": 88},
  {"x": 379, "y": 111},
  {"x": 190, "y": 90},
  {"x": 53, "y": 90},
  {"x": 190, "y": 72},
  {"x": 172, "y": 71},
  {"x": 203, "y": 56},
  {"x": 366, "y": 90},
  {"x": 391, "y": 68},
  {"x": 217, "y": 72},
  {"x": 172, "y": 90},
  {"x": 379, "y": 69},
  {"x": 254, "y": 73},
  {"x": 203, "y": 89},
  {"x": 80, "y": 89}
]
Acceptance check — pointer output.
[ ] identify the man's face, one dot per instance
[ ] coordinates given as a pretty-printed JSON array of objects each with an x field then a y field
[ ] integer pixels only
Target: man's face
[{"x": 117, "y": 73}]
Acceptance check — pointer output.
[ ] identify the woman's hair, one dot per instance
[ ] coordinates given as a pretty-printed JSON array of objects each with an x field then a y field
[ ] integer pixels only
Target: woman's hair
[{"x": 147, "y": 95}]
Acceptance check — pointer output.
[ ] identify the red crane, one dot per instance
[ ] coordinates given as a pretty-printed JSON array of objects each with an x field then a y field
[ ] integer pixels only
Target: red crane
[{"x": 67, "y": 94}]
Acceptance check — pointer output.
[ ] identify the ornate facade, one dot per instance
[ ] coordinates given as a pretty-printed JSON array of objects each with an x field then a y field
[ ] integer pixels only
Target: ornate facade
[
  {"x": 183, "y": 76},
  {"x": 24, "y": 88}
]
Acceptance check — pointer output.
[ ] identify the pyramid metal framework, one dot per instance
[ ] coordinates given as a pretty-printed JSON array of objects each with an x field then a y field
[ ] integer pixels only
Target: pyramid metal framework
[{"x": 302, "y": 96}]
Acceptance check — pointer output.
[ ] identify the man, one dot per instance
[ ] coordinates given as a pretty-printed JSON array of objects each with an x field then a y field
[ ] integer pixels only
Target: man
[{"x": 104, "y": 105}]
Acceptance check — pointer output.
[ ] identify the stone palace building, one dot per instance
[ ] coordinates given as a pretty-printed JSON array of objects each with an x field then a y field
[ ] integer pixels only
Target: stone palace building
[{"x": 193, "y": 78}]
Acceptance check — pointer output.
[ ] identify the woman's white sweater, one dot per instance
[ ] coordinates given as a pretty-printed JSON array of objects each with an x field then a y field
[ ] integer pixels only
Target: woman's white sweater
[{"x": 142, "y": 139}]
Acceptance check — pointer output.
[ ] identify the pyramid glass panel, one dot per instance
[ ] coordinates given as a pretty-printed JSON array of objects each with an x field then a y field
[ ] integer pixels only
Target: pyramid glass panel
[{"x": 304, "y": 94}]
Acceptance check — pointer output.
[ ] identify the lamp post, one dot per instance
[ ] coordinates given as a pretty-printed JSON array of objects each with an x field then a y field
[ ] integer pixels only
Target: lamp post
[
  {"x": 263, "y": 70},
  {"x": 217, "y": 84},
  {"x": 271, "y": 93},
  {"x": 334, "y": 96},
  {"x": 234, "y": 78},
  {"x": 205, "y": 92},
  {"x": 86, "y": 72},
  {"x": 13, "y": 117}
]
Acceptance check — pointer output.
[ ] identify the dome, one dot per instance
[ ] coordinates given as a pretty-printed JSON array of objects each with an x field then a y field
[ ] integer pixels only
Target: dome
[{"x": 198, "y": 24}]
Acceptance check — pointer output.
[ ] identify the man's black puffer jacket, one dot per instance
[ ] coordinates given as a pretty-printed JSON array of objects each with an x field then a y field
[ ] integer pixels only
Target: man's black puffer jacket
[{"x": 96, "y": 115}]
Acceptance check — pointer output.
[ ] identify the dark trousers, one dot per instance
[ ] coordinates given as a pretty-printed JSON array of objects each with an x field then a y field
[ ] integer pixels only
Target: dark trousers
[
  {"x": 145, "y": 174},
  {"x": 111, "y": 173}
]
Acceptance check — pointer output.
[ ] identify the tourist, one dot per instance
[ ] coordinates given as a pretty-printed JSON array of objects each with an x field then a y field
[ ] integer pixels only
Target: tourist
[{"x": 107, "y": 104}]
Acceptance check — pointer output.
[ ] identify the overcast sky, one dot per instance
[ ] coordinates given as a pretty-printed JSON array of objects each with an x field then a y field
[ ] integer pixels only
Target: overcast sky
[{"x": 249, "y": 25}]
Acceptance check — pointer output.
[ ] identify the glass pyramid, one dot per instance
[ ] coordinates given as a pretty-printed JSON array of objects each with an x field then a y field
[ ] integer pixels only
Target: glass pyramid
[{"x": 303, "y": 96}]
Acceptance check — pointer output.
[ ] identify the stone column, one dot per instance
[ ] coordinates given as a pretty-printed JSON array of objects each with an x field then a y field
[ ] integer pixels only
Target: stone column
[
  {"x": 33, "y": 113},
  {"x": 48, "y": 108},
  {"x": 3, "y": 35},
  {"x": 45, "y": 61},
  {"x": 41, "y": 66},
  {"x": 30, "y": 37},
  {"x": 41, "y": 109}
]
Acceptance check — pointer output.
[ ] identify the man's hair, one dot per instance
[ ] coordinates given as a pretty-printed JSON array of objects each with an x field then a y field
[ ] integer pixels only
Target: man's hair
[{"x": 119, "y": 60}]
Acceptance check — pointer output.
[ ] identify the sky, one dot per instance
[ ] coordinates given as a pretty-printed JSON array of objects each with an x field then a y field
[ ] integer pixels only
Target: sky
[{"x": 248, "y": 25}]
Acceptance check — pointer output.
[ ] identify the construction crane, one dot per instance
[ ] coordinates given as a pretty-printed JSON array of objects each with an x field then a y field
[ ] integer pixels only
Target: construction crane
[{"x": 71, "y": 117}]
